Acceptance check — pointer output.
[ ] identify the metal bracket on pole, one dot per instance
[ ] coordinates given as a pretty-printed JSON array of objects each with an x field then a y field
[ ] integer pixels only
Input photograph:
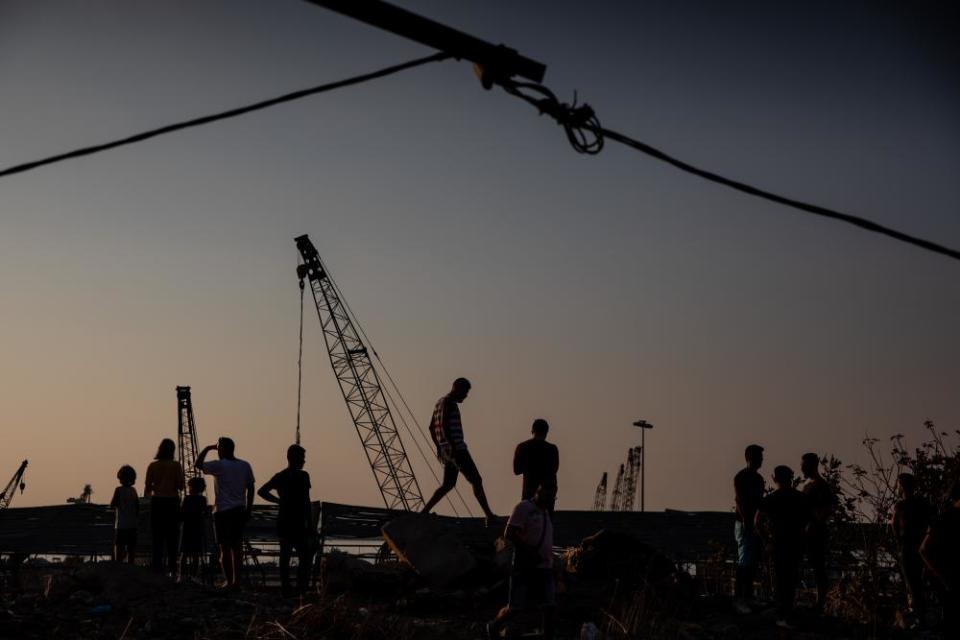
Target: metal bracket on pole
[{"x": 495, "y": 61}]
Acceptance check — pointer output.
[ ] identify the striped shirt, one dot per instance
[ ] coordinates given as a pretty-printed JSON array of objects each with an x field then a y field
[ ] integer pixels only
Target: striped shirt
[{"x": 445, "y": 426}]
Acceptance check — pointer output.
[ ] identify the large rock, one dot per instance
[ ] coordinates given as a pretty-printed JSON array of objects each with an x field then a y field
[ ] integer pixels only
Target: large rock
[
  {"x": 614, "y": 554},
  {"x": 426, "y": 545}
]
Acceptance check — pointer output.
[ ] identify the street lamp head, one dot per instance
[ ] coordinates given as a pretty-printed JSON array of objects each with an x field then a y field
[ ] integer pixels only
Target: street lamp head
[{"x": 643, "y": 424}]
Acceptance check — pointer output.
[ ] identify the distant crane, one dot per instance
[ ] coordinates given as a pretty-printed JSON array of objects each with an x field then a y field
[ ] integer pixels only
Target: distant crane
[
  {"x": 186, "y": 433},
  {"x": 84, "y": 497},
  {"x": 630, "y": 479},
  {"x": 360, "y": 385},
  {"x": 15, "y": 482},
  {"x": 600, "y": 497},
  {"x": 616, "y": 500}
]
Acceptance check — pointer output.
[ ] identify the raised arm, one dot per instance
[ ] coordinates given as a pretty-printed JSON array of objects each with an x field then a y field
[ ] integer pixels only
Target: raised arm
[{"x": 203, "y": 456}]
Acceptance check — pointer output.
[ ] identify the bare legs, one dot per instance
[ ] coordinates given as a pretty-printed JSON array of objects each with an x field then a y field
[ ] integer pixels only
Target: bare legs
[
  {"x": 478, "y": 492},
  {"x": 231, "y": 557}
]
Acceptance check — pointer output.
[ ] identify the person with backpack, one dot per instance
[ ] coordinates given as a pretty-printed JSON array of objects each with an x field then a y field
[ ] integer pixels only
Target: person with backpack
[{"x": 530, "y": 529}]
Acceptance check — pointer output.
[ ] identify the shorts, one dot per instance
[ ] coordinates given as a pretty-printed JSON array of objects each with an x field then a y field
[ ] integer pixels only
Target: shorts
[
  {"x": 531, "y": 588},
  {"x": 125, "y": 538},
  {"x": 229, "y": 525},
  {"x": 460, "y": 461}
]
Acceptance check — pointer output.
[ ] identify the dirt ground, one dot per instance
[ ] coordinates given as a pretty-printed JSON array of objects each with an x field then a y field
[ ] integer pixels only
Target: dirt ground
[{"x": 358, "y": 601}]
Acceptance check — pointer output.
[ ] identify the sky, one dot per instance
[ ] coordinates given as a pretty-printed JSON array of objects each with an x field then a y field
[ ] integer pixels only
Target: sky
[{"x": 471, "y": 240}]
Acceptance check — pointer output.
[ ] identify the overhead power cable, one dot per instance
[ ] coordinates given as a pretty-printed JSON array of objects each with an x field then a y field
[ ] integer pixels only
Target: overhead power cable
[
  {"x": 223, "y": 115},
  {"x": 586, "y": 135},
  {"x": 579, "y": 122}
]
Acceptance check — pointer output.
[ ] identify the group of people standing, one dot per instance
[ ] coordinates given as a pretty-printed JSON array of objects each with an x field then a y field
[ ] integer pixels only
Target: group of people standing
[
  {"x": 794, "y": 523},
  {"x": 178, "y": 527}
]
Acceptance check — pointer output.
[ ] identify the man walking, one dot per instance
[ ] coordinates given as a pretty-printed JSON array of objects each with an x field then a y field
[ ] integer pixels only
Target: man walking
[
  {"x": 294, "y": 518},
  {"x": 748, "y": 489},
  {"x": 233, "y": 490},
  {"x": 821, "y": 500},
  {"x": 530, "y": 529},
  {"x": 537, "y": 461},
  {"x": 447, "y": 433}
]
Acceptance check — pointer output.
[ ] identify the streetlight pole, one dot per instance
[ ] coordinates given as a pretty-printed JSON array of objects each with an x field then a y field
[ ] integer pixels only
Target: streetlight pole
[{"x": 643, "y": 425}]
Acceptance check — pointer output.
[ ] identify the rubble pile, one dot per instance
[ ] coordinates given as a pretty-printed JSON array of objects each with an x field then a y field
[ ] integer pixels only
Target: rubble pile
[
  {"x": 113, "y": 600},
  {"x": 610, "y": 586}
]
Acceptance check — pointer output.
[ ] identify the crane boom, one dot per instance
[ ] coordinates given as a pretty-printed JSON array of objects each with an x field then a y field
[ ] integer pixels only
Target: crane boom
[
  {"x": 15, "y": 482},
  {"x": 630, "y": 479},
  {"x": 186, "y": 433},
  {"x": 360, "y": 385},
  {"x": 600, "y": 497},
  {"x": 616, "y": 501}
]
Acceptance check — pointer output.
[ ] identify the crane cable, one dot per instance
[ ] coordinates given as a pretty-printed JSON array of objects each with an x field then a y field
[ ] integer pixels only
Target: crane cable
[
  {"x": 300, "y": 365},
  {"x": 387, "y": 395},
  {"x": 403, "y": 421}
]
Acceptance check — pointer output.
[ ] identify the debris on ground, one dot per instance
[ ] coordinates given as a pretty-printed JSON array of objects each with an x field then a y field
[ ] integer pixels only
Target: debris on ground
[{"x": 425, "y": 544}]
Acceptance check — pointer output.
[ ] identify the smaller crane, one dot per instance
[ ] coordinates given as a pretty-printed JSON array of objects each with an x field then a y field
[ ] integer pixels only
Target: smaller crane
[
  {"x": 630, "y": 479},
  {"x": 616, "y": 501},
  {"x": 17, "y": 480},
  {"x": 83, "y": 498},
  {"x": 600, "y": 497}
]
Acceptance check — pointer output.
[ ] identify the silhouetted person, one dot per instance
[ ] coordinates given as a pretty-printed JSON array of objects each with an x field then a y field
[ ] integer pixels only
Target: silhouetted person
[
  {"x": 163, "y": 485},
  {"x": 447, "y": 433},
  {"x": 821, "y": 499},
  {"x": 294, "y": 520},
  {"x": 786, "y": 514},
  {"x": 940, "y": 551},
  {"x": 538, "y": 461},
  {"x": 193, "y": 539},
  {"x": 126, "y": 505},
  {"x": 748, "y": 488},
  {"x": 530, "y": 529},
  {"x": 909, "y": 522},
  {"x": 233, "y": 501}
]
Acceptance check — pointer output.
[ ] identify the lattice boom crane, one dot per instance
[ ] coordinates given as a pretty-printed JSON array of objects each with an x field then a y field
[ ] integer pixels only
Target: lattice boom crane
[
  {"x": 600, "y": 497},
  {"x": 360, "y": 385},
  {"x": 630, "y": 479},
  {"x": 16, "y": 482},
  {"x": 186, "y": 433},
  {"x": 616, "y": 501}
]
